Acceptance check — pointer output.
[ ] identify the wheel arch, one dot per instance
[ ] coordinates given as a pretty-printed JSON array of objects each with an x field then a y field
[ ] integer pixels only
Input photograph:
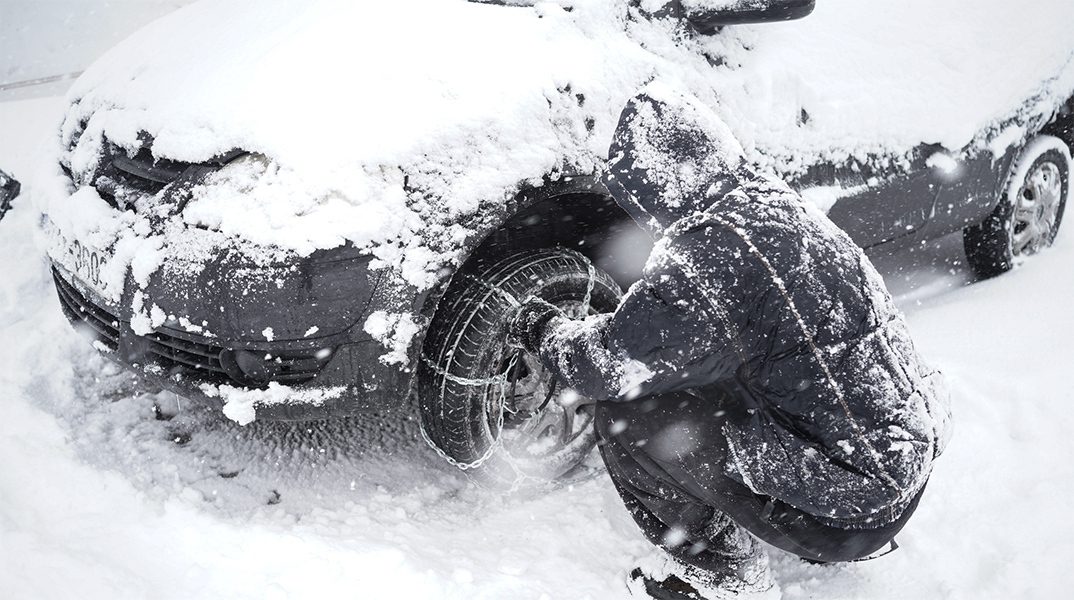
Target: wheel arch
[
  {"x": 574, "y": 211},
  {"x": 1062, "y": 124}
]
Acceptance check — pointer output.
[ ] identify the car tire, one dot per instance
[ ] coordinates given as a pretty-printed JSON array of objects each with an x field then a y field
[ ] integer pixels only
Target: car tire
[
  {"x": 487, "y": 407},
  {"x": 1029, "y": 214}
]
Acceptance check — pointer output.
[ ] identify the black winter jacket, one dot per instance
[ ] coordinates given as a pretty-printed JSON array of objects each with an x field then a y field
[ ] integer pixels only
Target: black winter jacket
[{"x": 751, "y": 287}]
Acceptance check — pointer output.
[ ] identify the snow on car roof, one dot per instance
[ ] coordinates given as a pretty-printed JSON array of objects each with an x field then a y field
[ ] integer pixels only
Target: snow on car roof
[{"x": 394, "y": 125}]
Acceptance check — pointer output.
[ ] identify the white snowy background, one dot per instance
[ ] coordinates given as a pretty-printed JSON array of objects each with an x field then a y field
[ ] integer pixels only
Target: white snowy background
[
  {"x": 102, "y": 497},
  {"x": 41, "y": 39}
]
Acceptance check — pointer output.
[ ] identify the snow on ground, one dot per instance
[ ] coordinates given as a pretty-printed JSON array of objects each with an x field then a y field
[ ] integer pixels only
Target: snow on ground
[{"x": 102, "y": 495}]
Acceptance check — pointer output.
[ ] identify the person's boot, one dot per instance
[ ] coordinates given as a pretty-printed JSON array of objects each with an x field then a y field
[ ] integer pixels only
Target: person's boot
[
  {"x": 737, "y": 567},
  {"x": 691, "y": 583}
]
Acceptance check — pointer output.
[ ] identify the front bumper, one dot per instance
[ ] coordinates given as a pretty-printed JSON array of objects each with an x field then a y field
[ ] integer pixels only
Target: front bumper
[
  {"x": 201, "y": 313},
  {"x": 212, "y": 337}
]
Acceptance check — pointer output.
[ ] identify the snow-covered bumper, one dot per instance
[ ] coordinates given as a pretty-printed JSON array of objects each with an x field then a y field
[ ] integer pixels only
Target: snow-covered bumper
[
  {"x": 284, "y": 338},
  {"x": 206, "y": 338}
]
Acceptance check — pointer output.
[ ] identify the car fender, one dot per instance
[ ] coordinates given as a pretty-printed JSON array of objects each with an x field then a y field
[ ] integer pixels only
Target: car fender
[{"x": 396, "y": 297}]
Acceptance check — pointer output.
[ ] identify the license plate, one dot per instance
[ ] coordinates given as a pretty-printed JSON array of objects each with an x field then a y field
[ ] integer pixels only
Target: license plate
[{"x": 86, "y": 263}]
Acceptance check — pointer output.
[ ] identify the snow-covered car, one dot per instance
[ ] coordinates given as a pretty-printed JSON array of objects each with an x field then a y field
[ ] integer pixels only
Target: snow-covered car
[{"x": 308, "y": 210}]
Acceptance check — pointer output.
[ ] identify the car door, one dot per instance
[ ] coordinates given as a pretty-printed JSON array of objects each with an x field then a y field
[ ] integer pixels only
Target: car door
[{"x": 874, "y": 205}]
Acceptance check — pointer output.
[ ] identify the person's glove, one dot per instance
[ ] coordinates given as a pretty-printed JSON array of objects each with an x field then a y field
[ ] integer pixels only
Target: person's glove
[{"x": 529, "y": 324}]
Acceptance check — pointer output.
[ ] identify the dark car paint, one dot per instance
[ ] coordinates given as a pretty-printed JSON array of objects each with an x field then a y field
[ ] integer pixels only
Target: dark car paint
[
  {"x": 924, "y": 203},
  {"x": 708, "y": 21},
  {"x": 346, "y": 297},
  {"x": 330, "y": 291}
]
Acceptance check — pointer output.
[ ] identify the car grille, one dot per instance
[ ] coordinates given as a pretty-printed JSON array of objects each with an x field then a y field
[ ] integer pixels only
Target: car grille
[
  {"x": 121, "y": 179},
  {"x": 189, "y": 358},
  {"x": 78, "y": 310},
  {"x": 198, "y": 360}
]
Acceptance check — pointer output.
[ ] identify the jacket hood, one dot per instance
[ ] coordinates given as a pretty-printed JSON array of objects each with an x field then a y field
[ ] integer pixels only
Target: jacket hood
[{"x": 671, "y": 157}]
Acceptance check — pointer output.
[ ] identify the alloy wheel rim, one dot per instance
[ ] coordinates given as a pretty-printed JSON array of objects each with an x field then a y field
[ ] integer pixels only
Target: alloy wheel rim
[
  {"x": 539, "y": 419},
  {"x": 538, "y": 423},
  {"x": 1036, "y": 209}
]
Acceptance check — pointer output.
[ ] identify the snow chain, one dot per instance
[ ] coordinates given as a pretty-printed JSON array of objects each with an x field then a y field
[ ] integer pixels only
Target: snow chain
[
  {"x": 588, "y": 298},
  {"x": 502, "y": 381},
  {"x": 495, "y": 288}
]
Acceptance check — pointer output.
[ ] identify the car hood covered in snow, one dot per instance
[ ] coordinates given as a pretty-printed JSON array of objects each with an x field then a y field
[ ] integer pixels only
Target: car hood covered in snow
[{"x": 398, "y": 125}]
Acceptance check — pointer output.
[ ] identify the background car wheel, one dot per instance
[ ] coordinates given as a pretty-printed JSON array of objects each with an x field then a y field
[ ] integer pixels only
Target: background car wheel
[
  {"x": 492, "y": 409},
  {"x": 1028, "y": 216}
]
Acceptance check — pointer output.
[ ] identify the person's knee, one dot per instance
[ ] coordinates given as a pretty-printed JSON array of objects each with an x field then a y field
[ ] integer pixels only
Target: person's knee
[{"x": 843, "y": 548}]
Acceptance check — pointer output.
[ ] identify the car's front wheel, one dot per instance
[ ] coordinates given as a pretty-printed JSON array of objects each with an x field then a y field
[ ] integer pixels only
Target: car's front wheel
[
  {"x": 1027, "y": 218},
  {"x": 492, "y": 409}
]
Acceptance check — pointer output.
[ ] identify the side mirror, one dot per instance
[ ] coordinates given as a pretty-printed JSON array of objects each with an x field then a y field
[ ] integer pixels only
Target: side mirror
[
  {"x": 9, "y": 190},
  {"x": 706, "y": 16}
]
